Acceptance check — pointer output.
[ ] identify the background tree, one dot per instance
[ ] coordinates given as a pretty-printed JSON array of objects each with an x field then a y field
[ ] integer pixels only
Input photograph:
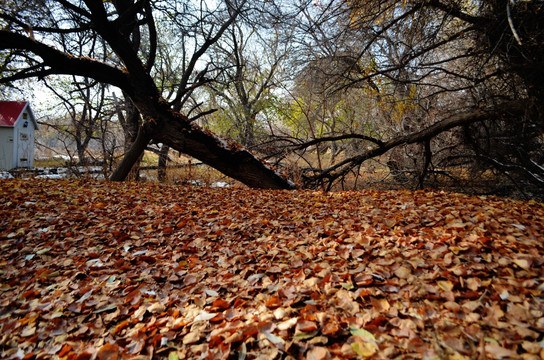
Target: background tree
[
  {"x": 456, "y": 68},
  {"x": 83, "y": 101},
  {"x": 248, "y": 63}
]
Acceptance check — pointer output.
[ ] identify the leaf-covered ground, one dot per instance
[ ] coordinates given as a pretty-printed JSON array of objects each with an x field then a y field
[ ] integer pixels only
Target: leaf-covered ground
[{"x": 98, "y": 270}]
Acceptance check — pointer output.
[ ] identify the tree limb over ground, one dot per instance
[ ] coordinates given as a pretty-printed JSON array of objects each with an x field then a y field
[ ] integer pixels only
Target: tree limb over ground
[{"x": 424, "y": 135}]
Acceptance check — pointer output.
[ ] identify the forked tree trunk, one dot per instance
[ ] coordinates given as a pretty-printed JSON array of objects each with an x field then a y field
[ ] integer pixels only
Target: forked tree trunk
[
  {"x": 180, "y": 134},
  {"x": 132, "y": 155}
]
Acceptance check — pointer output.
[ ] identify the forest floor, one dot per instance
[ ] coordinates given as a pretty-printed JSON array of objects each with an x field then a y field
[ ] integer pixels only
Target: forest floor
[{"x": 99, "y": 270}]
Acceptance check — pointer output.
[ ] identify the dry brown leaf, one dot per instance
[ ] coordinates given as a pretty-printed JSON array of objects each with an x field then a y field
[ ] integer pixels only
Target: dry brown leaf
[
  {"x": 498, "y": 352},
  {"x": 191, "y": 337},
  {"x": 156, "y": 308}
]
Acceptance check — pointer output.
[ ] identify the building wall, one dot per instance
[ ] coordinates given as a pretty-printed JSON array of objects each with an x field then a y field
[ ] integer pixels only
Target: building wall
[
  {"x": 7, "y": 145},
  {"x": 17, "y": 142}
]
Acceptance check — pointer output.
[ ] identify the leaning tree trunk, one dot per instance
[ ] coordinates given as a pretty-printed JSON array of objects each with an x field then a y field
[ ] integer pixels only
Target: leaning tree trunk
[
  {"x": 231, "y": 159},
  {"x": 162, "y": 124}
]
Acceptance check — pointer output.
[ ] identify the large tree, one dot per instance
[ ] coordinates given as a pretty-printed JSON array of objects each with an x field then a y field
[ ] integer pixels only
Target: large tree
[{"x": 36, "y": 41}]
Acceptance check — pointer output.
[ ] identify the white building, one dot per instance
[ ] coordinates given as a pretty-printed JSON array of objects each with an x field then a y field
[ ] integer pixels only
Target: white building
[{"x": 17, "y": 126}]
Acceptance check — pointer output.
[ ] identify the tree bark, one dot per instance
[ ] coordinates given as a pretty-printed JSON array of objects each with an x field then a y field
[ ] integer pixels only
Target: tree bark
[
  {"x": 231, "y": 159},
  {"x": 179, "y": 133}
]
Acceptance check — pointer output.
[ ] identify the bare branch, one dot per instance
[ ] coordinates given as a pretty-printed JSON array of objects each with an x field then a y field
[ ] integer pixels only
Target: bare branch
[
  {"x": 338, "y": 138},
  {"x": 343, "y": 167}
]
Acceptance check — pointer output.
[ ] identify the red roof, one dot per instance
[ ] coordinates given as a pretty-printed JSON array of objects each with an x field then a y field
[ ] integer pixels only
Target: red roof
[{"x": 10, "y": 111}]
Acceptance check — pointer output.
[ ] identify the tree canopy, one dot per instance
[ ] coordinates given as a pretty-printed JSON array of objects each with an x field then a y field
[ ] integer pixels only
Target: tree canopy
[{"x": 430, "y": 66}]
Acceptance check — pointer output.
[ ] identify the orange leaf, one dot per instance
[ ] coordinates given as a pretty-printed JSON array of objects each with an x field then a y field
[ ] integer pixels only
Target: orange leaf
[
  {"x": 108, "y": 352},
  {"x": 239, "y": 303},
  {"x": 84, "y": 356},
  {"x": 273, "y": 302},
  {"x": 123, "y": 324},
  {"x": 65, "y": 350},
  {"x": 220, "y": 304},
  {"x": 181, "y": 224}
]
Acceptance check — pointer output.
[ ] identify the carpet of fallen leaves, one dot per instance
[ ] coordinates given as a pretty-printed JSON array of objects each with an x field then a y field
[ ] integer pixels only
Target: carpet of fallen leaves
[{"x": 99, "y": 270}]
